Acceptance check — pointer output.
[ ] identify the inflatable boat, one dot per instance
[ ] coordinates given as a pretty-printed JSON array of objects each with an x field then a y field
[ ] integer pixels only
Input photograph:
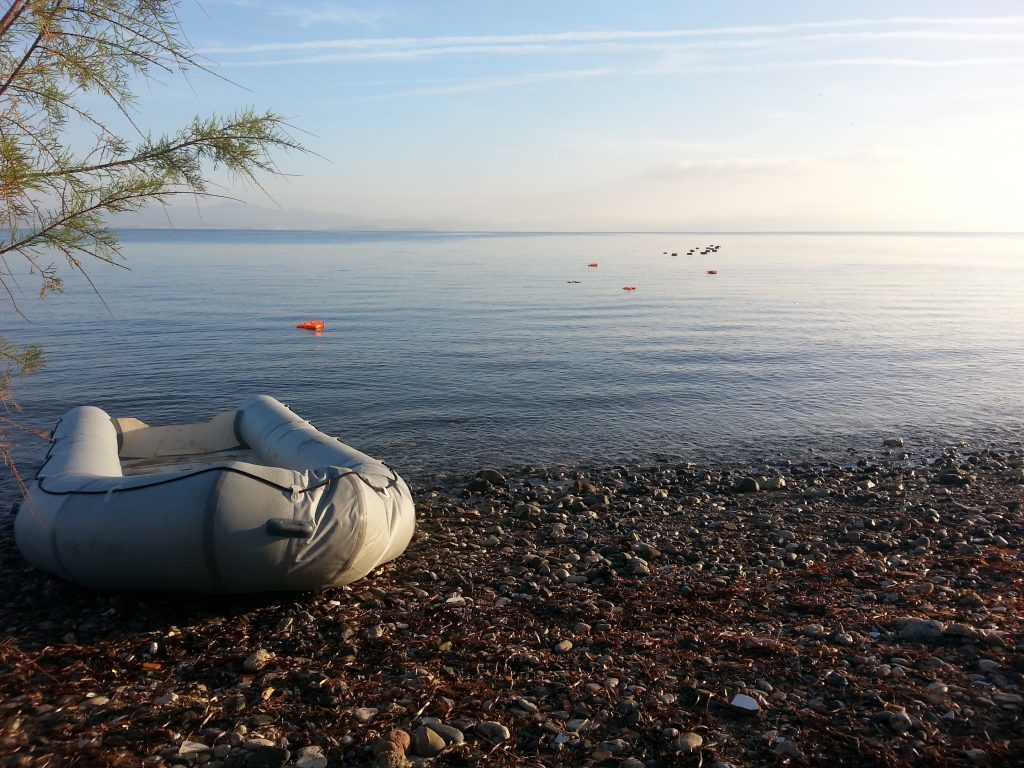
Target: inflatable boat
[{"x": 253, "y": 500}]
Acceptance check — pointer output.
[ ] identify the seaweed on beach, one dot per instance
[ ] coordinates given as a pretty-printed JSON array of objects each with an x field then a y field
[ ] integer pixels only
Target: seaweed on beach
[{"x": 669, "y": 615}]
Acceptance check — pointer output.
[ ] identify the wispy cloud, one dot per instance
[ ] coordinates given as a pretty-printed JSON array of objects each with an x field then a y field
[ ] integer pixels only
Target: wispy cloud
[
  {"x": 534, "y": 78},
  {"x": 865, "y": 157},
  {"x": 571, "y": 39},
  {"x": 878, "y": 61},
  {"x": 501, "y": 83},
  {"x": 517, "y": 50},
  {"x": 340, "y": 14},
  {"x": 898, "y": 42},
  {"x": 329, "y": 13}
]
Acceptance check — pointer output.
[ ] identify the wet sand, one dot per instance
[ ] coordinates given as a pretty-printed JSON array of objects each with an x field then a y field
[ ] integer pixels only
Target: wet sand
[{"x": 673, "y": 615}]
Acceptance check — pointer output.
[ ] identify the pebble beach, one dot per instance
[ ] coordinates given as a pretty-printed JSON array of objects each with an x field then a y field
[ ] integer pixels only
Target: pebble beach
[{"x": 866, "y": 613}]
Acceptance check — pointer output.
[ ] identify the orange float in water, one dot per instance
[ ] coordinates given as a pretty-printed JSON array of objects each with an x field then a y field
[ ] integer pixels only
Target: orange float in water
[
  {"x": 592, "y": 265},
  {"x": 629, "y": 287},
  {"x": 311, "y": 325}
]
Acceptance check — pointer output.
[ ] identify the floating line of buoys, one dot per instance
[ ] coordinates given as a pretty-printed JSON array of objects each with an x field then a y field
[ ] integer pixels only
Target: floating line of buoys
[{"x": 311, "y": 325}]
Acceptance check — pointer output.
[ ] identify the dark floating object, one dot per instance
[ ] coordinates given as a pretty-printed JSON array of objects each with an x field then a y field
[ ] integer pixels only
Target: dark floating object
[
  {"x": 592, "y": 264},
  {"x": 629, "y": 287},
  {"x": 572, "y": 281},
  {"x": 675, "y": 254},
  {"x": 712, "y": 271}
]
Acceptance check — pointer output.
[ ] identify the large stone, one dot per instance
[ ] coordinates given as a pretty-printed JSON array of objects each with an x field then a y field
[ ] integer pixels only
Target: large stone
[
  {"x": 953, "y": 477},
  {"x": 745, "y": 704},
  {"x": 267, "y": 757},
  {"x": 399, "y": 738},
  {"x": 256, "y": 743},
  {"x": 922, "y": 630},
  {"x": 527, "y": 706},
  {"x": 899, "y": 721},
  {"x": 311, "y": 757},
  {"x": 492, "y": 476},
  {"x": 364, "y": 714},
  {"x": 258, "y": 659},
  {"x": 689, "y": 742},
  {"x": 492, "y": 731},
  {"x": 426, "y": 742},
  {"x": 449, "y": 733},
  {"x": 192, "y": 749},
  {"x": 391, "y": 760}
]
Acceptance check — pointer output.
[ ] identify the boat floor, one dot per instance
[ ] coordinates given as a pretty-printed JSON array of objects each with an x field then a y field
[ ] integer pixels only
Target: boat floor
[{"x": 154, "y": 465}]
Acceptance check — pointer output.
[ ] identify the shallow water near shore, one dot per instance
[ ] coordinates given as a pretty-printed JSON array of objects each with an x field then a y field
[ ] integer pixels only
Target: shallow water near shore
[{"x": 447, "y": 352}]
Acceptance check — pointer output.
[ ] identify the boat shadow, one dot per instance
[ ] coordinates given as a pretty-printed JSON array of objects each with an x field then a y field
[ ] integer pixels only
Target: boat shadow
[{"x": 40, "y": 610}]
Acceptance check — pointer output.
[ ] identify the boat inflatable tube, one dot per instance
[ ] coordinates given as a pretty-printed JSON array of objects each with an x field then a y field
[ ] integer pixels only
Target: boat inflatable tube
[{"x": 312, "y": 513}]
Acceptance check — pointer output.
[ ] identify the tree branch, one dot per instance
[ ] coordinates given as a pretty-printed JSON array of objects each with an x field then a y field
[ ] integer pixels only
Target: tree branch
[{"x": 16, "y": 9}]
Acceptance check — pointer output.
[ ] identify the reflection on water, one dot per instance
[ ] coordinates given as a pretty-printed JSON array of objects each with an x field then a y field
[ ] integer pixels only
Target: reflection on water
[{"x": 454, "y": 351}]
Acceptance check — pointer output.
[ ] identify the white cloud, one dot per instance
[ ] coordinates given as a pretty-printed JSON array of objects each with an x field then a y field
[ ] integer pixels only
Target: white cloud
[
  {"x": 643, "y": 145},
  {"x": 342, "y": 15},
  {"x": 515, "y": 81},
  {"x": 500, "y": 83},
  {"x": 641, "y": 39},
  {"x": 747, "y": 167}
]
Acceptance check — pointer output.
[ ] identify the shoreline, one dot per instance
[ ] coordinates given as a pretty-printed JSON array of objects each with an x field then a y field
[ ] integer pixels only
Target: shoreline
[{"x": 870, "y": 614}]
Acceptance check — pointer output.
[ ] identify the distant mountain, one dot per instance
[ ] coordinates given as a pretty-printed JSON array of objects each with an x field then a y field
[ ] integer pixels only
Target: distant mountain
[
  {"x": 249, "y": 216},
  {"x": 234, "y": 215}
]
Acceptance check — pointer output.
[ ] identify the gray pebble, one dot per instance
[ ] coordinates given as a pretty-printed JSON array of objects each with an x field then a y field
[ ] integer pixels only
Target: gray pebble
[
  {"x": 258, "y": 659},
  {"x": 311, "y": 757},
  {"x": 689, "y": 742},
  {"x": 527, "y": 706},
  {"x": 492, "y": 731},
  {"x": 899, "y": 721},
  {"x": 192, "y": 749},
  {"x": 426, "y": 742},
  {"x": 364, "y": 714},
  {"x": 254, "y": 744},
  {"x": 922, "y": 630}
]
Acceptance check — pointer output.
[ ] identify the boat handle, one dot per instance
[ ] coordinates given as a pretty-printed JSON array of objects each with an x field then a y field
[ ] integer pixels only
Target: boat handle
[{"x": 292, "y": 529}]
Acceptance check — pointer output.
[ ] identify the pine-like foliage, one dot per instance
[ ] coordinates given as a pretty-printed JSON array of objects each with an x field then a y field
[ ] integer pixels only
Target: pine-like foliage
[{"x": 58, "y": 57}]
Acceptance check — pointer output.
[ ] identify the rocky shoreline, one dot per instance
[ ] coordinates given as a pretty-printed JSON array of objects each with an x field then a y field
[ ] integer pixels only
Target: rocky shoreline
[{"x": 670, "y": 615}]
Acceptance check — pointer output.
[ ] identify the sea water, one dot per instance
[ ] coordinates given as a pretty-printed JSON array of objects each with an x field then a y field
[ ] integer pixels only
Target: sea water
[{"x": 450, "y": 352}]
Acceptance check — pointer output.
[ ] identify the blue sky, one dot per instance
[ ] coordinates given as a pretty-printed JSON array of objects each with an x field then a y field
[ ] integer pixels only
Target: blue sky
[{"x": 564, "y": 114}]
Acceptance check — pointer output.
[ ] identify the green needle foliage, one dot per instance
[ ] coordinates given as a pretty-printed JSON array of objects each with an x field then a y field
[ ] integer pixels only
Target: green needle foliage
[{"x": 57, "y": 58}]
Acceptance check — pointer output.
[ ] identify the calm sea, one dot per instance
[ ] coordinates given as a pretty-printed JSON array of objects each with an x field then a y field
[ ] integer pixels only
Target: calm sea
[{"x": 449, "y": 352}]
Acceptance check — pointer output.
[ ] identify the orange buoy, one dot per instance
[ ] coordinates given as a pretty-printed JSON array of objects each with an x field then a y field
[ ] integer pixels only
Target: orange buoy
[
  {"x": 592, "y": 265},
  {"x": 629, "y": 287},
  {"x": 311, "y": 325},
  {"x": 712, "y": 271}
]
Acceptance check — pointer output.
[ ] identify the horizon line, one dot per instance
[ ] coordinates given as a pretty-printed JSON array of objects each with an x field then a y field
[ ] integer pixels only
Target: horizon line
[{"x": 583, "y": 231}]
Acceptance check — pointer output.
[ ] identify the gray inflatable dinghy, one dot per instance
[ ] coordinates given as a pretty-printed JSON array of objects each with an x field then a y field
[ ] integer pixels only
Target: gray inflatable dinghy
[{"x": 253, "y": 500}]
